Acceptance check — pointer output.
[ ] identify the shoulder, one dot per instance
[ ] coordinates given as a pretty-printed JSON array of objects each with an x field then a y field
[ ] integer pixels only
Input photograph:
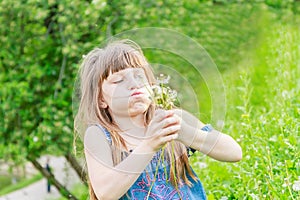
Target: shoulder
[
  {"x": 95, "y": 135},
  {"x": 97, "y": 148},
  {"x": 93, "y": 131}
]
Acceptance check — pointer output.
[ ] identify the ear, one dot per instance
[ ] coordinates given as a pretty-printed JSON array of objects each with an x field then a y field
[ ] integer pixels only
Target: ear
[{"x": 102, "y": 104}]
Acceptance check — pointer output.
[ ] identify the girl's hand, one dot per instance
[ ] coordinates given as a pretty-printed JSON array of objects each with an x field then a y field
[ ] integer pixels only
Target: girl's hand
[{"x": 162, "y": 129}]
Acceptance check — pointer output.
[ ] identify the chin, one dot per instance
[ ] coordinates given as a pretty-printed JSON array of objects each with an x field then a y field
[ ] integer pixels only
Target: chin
[{"x": 138, "y": 109}]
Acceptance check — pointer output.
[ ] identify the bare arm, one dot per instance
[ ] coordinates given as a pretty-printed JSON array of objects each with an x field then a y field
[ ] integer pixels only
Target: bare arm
[
  {"x": 215, "y": 144},
  {"x": 108, "y": 181},
  {"x": 112, "y": 182}
]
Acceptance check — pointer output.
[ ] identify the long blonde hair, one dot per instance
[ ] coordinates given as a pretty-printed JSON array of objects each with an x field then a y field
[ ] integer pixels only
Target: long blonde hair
[{"x": 95, "y": 68}]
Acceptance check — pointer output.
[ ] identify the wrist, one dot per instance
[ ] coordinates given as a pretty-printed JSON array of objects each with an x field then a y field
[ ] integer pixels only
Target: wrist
[
  {"x": 186, "y": 134},
  {"x": 146, "y": 148}
]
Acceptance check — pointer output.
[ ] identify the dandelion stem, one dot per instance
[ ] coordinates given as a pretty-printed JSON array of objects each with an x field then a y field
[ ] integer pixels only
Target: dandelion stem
[
  {"x": 288, "y": 183},
  {"x": 156, "y": 171},
  {"x": 270, "y": 164},
  {"x": 164, "y": 98}
]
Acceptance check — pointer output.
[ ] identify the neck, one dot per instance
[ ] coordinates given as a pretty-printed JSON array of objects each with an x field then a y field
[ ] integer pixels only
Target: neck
[{"x": 128, "y": 124}]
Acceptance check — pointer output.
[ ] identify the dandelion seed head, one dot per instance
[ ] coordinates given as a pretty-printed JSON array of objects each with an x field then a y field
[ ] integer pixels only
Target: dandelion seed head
[
  {"x": 296, "y": 185},
  {"x": 273, "y": 138},
  {"x": 163, "y": 96},
  {"x": 285, "y": 94},
  {"x": 284, "y": 185},
  {"x": 254, "y": 196},
  {"x": 173, "y": 94},
  {"x": 157, "y": 90},
  {"x": 163, "y": 79}
]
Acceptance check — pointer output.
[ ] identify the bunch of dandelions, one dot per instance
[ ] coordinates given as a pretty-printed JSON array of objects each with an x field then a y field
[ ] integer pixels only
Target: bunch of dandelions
[{"x": 164, "y": 98}]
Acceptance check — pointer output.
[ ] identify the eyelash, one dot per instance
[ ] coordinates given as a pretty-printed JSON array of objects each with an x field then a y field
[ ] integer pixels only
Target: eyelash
[
  {"x": 140, "y": 76},
  {"x": 118, "y": 81}
]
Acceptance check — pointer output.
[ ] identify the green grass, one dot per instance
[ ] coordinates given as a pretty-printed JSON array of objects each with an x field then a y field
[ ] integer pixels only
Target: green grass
[
  {"x": 5, "y": 180},
  {"x": 263, "y": 114},
  {"x": 79, "y": 190},
  {"x": 21, "y": 184}
]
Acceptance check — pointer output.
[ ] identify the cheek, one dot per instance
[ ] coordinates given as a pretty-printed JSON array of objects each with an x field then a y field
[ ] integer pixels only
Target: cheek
[
  {"x": 106, "y": 97},
  {"x": 114, "y": 98},
  {"x": 107, "y": 92}
]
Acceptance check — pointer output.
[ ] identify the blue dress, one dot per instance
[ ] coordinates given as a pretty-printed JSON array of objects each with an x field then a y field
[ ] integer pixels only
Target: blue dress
[{"x": 159, "y": 181}]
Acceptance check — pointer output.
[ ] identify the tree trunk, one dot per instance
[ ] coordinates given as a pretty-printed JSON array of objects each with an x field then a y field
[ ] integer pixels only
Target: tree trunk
[
  {"x": 49, "y": 175},
  {"x": 77, "y": 167}
]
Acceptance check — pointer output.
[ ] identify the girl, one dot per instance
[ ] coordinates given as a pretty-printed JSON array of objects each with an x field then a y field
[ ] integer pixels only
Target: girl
[{"x": 134, "y": 150}]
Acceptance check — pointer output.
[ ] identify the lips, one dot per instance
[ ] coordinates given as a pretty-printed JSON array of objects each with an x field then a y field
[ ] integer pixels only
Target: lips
[{"x": 136, "y": 93}]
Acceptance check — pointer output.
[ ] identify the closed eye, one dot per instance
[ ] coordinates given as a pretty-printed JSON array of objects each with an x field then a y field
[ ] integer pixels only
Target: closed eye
[
  {"x": 140, "y": 76},
  {"x": 117, "y": 81}
]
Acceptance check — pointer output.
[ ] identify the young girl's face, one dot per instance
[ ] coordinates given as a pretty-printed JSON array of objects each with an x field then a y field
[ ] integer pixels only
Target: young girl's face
[{"x": 127, "y": 92}]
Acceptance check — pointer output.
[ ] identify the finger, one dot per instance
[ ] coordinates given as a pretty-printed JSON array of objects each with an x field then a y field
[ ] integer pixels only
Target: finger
[
  {"x": 178, "y": 118},
  {"x": 169, "y": 113},
  {"x": 170, "y": 121},
  {"x": 169, "y": 138},
  {"x": 160, "y": 114},
  {"x": 169, "y": 130}
]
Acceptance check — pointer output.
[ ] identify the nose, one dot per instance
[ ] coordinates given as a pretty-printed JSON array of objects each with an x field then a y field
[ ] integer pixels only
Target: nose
[{"x": 134, "y": 83}]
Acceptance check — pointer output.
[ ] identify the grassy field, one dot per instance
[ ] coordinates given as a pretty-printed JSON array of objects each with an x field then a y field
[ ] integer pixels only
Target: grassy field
[{"x": 263, "y": 114}]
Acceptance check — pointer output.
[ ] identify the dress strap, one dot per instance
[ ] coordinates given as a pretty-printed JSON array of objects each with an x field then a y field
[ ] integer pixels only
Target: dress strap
[
  {"x": 207, "y": 128},
  {"x": 107, "y": 133}
]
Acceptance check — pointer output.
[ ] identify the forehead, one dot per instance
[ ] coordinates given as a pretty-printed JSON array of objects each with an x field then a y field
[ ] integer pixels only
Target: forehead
[
  {"x": 118, "y": 59},
  {"x": 126, "y": 71}
]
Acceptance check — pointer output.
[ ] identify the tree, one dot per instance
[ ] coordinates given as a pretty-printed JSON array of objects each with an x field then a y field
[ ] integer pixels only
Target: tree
[{"x": 39, "y": 56}]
